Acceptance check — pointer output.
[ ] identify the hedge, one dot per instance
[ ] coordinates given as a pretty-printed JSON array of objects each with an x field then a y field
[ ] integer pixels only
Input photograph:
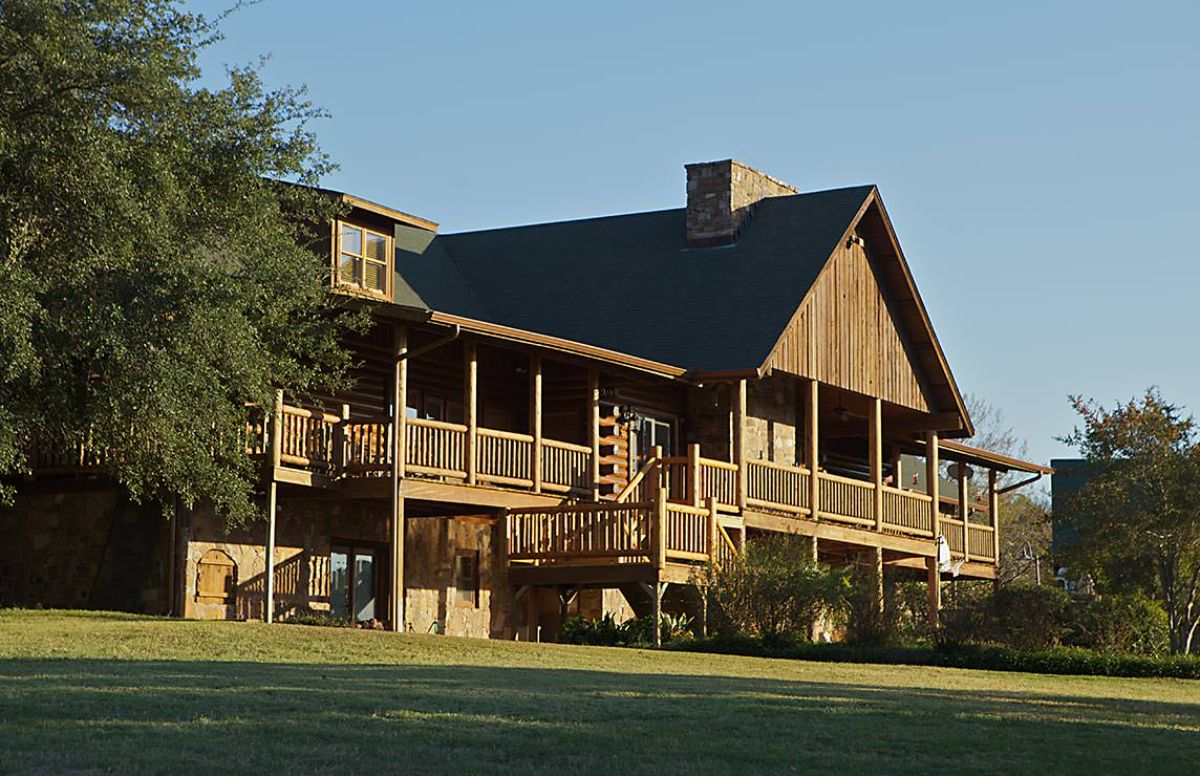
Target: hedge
[{"x": 1061, "y": 660}]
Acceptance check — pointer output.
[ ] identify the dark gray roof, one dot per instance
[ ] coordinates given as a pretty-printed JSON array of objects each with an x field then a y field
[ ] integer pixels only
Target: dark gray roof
[{"x": 630, "y": 283}]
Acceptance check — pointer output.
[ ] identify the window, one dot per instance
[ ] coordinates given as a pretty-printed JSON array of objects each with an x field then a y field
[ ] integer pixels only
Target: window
[
  {"x": 466, "y": 578},
  {"x": 364, "y": 259}
]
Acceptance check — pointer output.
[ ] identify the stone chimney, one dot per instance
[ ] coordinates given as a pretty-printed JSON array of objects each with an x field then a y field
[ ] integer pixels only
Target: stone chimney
[{"x": 720, "y": 198}]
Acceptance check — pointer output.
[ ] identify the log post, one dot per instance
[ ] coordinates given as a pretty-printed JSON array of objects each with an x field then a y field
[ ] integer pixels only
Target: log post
[
  {"x": 812, "y": 445},
  {"x": 933, "y": 579},
  {"x": 535, "y": 420},
  {"x": 964, "y": 509},
  {"x": 272, "y": 505},
  {"x": 739, "y": 442},
  {"x": 693, "y": 475},
  {"x": 933, "y": 485},
  {"x": 471, "y": 402},
  {"x": 399, "y": 453},
  {"x": 342, "y": 442},
  {"x": 593, "y": 378},
  {"x": 994, "y": 512},
  {"x": 713, "y": 528},
  {"x": 876, "y": 455}
]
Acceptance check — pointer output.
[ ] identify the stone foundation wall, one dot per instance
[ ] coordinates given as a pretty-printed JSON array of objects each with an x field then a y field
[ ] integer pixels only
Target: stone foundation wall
[
  {"x": 771, "y": 420},
  {"x": 432, "y": 544},
  {"x": 84, "y": 545}
]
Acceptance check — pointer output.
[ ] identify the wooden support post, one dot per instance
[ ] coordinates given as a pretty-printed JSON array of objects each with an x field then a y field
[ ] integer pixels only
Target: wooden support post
[
  {"x": 713, "y": 527},
  {"x": 399, "y": 456},
  {"x": 660, "y": 530},
  {"x": 933, "y": 485},
  {"x": 933, "y": 578},
  {"x": 812, "y": 456},
  {"x": 269, "y": 573},
  {"x": 739, "y": 441},
  {"x": 471, "y": 402},
  {"x": 994, "y": 513},
  {"x": 876, "y": 454},
  {"x": 593, "y": 378},
  {"x": 277, "y": 433},
  {"x": 964, "y": 509},
  {"x": 341, "y": 444},
  {"x": 658, "y": 596},
  {"x": 877, "y": 584},
  {"x": 535, "y": 419},
  {"x": 693, "y": 475}
]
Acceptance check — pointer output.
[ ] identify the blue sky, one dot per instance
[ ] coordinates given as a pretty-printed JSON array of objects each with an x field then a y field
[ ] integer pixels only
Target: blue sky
[{"x": 1037, "y": 159}]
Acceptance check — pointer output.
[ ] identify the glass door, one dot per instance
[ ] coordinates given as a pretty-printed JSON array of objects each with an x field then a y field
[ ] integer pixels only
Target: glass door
[
  {"x": 353, "y": 583},
  {"x": 647, "y": 432}
]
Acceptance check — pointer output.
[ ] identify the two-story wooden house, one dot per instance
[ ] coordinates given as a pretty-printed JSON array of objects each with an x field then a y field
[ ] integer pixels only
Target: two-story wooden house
[{"x": 577, "y": 416}]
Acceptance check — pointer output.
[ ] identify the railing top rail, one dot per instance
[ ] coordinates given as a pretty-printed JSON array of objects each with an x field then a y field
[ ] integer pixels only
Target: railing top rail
[
  {"x": 648, "y": 466},
  {"x": 609, "y": 506},
  {"x": 309, "y": 412},
  {"x": 979, "y": 527},
  {"x": 780, "y": 466},
  {"x": 425, "y": 422},
  {"x": 718, "y": 464},
  {"x": 915, "y": 495},
  {"x": 847, "y": 480},
  {"x": 565, "y": 445},
  {"x": 491, "y": 432},
  {"x": 369, "y": 420},
  {"x": 686, "y": 509}
]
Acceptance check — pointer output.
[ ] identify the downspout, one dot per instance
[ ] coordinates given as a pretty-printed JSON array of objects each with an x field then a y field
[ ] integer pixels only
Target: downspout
[
  {"x": 1020, "y": 484},
  {"x": 455, "y": 331}
]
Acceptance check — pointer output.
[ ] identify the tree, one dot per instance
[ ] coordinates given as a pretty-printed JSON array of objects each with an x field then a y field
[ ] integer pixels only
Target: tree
[
  {"x": 158, "y": 275},
  {"x": 1024, "y": 514},
  {"x": 1137, "y": 519}
]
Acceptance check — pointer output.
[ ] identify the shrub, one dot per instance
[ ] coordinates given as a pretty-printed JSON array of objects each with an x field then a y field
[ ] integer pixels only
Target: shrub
[
  {"x": 1121, "y": 623},
  {"x": 775, "y": 590},
  {"x": 1018, "y": 616},
  {"x": 605, "y": 632},
  {"x": 1059, "y": 660},
  {"x": 309, "y": 617}
]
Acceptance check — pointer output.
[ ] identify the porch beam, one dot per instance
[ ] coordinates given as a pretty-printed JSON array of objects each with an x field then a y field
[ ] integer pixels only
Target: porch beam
[
  {"x": 812, "y": 443},
  {"x": 964, "y": 508},
  {"x": 933, "y": 484},
  {"x": 994, "y": 511},
  {"x": 933, "y": 581}
]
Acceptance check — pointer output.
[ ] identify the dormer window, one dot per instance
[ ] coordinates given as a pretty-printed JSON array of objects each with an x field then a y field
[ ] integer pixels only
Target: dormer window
[{"x": 364, "y": 259}]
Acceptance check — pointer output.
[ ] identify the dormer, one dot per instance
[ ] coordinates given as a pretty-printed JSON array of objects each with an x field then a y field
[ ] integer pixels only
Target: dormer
[{"x": 363, "y": 255}]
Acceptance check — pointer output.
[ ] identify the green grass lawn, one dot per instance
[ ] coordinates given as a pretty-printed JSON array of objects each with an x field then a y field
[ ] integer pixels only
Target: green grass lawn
[{"x": 94, "y": 693}]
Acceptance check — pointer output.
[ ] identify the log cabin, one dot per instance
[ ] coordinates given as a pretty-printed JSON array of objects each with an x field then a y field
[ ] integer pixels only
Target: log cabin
[{"x": 573, "y": 417}]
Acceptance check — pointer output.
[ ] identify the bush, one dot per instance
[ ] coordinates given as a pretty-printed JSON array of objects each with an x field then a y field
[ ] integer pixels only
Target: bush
[
  {"x": 1019, "y": 617},
  {"x": 1059, "y": 660},
  {"x": 1121, "y": 623},
  {"x": 309, "y": 617},
  {"x": 605, "y": 632},
  {"x": 776, "y": 591}
]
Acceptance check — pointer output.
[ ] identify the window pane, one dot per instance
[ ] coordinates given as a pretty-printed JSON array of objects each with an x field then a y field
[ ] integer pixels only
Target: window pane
[
  {"x": 352, "y": 239},
  {"x": 466, "y": 579},
  {"x": 348, "y": 269},
  {"x": 375, "y": 276},
  {"x": 339, "y": 584},
  {"x": 376, "y": 247},
  {"x": 364, "y": 586}
]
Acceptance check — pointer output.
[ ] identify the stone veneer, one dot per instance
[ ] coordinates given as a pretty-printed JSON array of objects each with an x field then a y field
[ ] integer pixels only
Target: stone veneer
[{"x": 721, "y": 196}]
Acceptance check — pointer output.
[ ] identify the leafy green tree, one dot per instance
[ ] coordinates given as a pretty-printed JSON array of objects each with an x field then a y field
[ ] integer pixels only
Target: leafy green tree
[
  {"x": 158, "y": 276},
  {"x": 1138, "y": 519}
]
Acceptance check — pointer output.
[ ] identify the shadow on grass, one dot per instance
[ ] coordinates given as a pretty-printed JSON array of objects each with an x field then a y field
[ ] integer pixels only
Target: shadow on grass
[{"x": 159, "y": 716}]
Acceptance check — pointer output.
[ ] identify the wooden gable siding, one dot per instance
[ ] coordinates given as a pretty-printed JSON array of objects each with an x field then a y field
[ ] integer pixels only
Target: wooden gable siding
[{"x": 845, "y": 334}]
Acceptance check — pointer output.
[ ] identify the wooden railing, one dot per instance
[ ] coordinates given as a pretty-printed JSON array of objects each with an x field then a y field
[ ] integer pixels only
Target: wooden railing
[
  {"x": 368, "y": 444},
  {"x": 504, "y": 458},
  {"x": 981, "y": 542},
  {"x": 642, "y": 486},
  {"x": 693, "y": 480},
  {"x": 846, "y": 499},
  {"x": 953, "y": 531},
  {"x": 598, "y": 531},
  {"x": 907, "y": 512},
  {"x": 435, "y": 448},
  {"x": 724, "y": 550},
  {"x": 686, "y": 532},
  {"x": 566, "y": 467},
  {"x": 718, "y": 481},
  {"x": 777, "y": 486},
  {"x": 307, "y": 438}
]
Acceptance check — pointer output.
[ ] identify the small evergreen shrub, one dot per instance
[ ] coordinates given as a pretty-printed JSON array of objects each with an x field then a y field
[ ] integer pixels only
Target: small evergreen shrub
[
  {"x": 1120, "y": 623},
  {"x": 605, "y": 632}
]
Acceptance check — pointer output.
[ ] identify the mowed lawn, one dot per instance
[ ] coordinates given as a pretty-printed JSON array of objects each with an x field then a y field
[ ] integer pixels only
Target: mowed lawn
[{"x": 94, "y": 693}]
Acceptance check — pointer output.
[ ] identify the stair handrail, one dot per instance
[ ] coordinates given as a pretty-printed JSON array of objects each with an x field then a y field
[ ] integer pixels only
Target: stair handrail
[{"x": 650, "y": 466}]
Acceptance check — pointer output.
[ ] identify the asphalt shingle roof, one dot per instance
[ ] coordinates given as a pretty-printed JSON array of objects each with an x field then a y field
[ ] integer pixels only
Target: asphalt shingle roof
[{"x": 630, "y": 283}]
